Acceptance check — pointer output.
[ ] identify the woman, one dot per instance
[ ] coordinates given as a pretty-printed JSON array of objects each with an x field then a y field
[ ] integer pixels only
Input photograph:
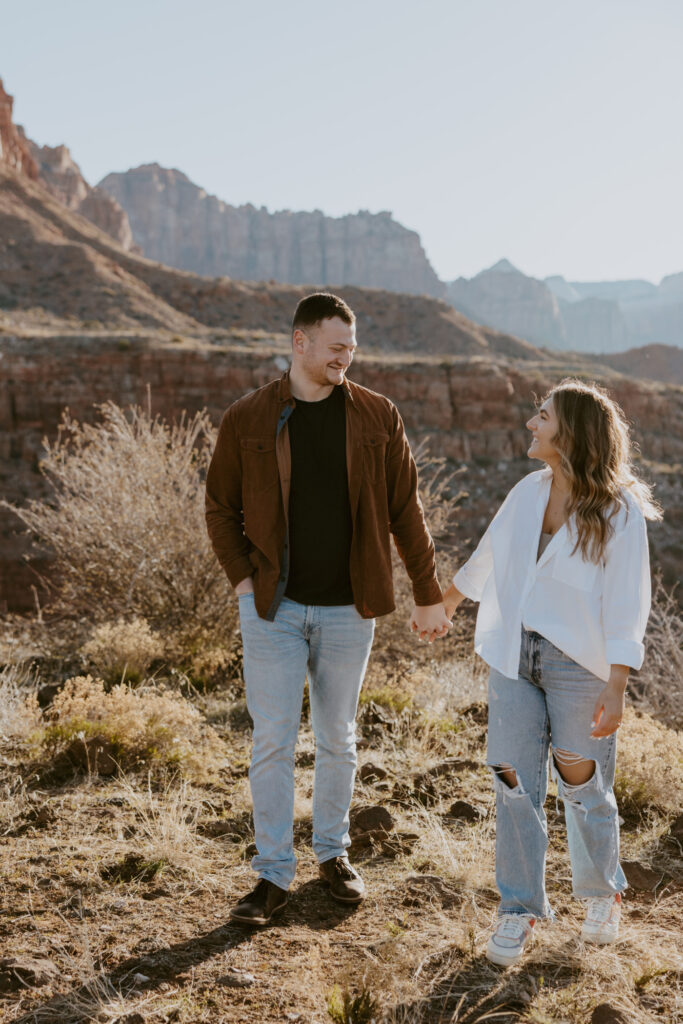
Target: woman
[{"x": 563, "y": 582}]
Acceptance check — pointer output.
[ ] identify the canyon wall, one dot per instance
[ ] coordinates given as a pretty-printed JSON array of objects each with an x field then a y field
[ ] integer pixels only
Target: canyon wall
[
  {"x": 473, "y": 411},
  {"x": 179, "y": 224}
]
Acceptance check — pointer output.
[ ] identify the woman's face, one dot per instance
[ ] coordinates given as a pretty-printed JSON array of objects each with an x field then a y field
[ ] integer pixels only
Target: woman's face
[{"x": 543, "y": 427}]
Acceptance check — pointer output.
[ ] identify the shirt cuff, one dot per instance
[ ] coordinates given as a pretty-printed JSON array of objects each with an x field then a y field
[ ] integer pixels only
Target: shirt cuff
[
  {"x": 624, "y": 652},
  {"x": 465, "y": 585}
]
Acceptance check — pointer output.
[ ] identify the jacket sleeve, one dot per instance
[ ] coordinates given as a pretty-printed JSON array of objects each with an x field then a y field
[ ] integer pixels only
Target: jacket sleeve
[
  {"x": 406, "y": 518},
  {"x": 626, "y": 590},
  {"x": 224, "y": 515}
]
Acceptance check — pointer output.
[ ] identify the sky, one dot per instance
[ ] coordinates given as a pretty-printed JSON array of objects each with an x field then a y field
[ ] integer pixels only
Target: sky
[{"x": 545, "y": 132}]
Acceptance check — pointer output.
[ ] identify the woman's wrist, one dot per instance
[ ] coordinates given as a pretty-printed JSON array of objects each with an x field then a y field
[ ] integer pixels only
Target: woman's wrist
[{"x": 618, "y": 677}]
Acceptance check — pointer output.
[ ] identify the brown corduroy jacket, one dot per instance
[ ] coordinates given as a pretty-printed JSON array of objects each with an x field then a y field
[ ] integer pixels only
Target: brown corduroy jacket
[{"x": 247, "y": 499}]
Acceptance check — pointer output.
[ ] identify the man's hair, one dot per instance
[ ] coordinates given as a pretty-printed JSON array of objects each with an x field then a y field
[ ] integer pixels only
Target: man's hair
[{"x": 321, "y": 306}]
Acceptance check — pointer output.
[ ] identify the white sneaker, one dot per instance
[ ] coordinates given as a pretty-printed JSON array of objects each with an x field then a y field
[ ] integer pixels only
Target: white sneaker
[
  {"x": 602, "y": 919},
  {"x": 513, "y": 932}
]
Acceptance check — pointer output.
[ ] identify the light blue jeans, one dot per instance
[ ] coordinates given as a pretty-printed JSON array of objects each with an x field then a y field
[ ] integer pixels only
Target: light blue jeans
[
  {"x": 550, "y": 703},
  {"x": 331, "y": 645}
]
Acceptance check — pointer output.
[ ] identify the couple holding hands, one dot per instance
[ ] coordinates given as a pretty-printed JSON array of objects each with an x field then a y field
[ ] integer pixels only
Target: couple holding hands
[{"x": 311, "y": 476}]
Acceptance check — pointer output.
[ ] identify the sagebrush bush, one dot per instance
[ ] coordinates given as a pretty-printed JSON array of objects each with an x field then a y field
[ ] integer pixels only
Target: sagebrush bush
[
  {"x": 125, "y": 522},
  {"x": 144, "y": 725},
  {"x": 123, "y": 651},
  {"x": 657, "y": 687},
  {"x": 649, "y": 765}
]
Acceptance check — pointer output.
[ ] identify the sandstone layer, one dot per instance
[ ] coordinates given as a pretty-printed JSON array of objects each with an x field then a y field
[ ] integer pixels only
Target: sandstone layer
[
  {"x": 62, "y": 177},
  {"x": 177, "y": 223},
  {"x": 14, "y": 150}
]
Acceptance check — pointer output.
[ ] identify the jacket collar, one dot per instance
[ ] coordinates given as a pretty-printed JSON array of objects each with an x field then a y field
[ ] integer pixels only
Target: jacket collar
[{"x": 285, "y": 395}]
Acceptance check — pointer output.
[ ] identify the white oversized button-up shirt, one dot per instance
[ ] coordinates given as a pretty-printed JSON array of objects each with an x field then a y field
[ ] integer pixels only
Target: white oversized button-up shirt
[{"x": 596, "y": 614}]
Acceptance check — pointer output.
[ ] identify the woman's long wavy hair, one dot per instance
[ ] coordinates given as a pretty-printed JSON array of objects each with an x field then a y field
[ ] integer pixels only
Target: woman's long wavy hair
[{"x": 596, "y": 452}]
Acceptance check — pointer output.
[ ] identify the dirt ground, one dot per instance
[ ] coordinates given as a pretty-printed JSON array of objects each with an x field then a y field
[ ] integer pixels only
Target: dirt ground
[{"x": 116, "y": 892}]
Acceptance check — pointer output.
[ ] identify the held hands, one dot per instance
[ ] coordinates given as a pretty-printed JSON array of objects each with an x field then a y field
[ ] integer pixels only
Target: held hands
[
  {"x": 609, "y": 707},
  {"x": 430, "y": 622}
]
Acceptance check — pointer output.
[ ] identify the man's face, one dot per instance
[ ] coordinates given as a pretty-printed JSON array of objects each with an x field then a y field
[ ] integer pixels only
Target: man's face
[{"x": 325, "y": 352}]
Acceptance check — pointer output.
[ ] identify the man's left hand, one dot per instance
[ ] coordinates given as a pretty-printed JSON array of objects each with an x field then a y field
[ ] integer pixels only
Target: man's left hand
[{"x": 430, "y": 622}]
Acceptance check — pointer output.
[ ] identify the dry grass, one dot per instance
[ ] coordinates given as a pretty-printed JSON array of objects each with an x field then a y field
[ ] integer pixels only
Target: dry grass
[
  {"x": 19, "y": 711},
  {"x": 657, "y": 687}
]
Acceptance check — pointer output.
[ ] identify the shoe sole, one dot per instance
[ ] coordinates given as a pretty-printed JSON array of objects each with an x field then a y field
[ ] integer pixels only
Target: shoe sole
[
  {"x": 257, "y": 921},
  {"x": 596, "y": 940},
  {"x": 348, "y": 899},
  {"x": 501, "y": 961},
  {"x": 342, "y": 899}
]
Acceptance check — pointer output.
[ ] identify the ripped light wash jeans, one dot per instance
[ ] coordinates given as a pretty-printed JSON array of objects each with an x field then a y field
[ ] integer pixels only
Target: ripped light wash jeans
[
  {"x": 332, "y": 646},
  {"x": 550, "y": 703}
]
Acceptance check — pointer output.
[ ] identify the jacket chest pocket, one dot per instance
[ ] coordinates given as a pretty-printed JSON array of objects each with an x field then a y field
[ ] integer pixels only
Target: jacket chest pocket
[
  {"x": 374, "y": 455},
  {"x": 574, "y": 571},
  {"x": 259, "y": 465}
]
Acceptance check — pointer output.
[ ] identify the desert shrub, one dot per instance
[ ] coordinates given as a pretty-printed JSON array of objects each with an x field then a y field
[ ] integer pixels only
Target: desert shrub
[
  {"x": 123, "y": 651},
  {"x": 346, "y": 1007},
  {"x": 657, "y": 687},
  {"x": 19, "y": 711},
  {"x": 126, "y": 521},
  {"x": 649, "y": 765},
  {"x": 144, "y": 725}
]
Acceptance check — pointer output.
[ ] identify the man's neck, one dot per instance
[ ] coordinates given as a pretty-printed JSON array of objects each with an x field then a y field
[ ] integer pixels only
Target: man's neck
[{"x": 307, "y": 390}]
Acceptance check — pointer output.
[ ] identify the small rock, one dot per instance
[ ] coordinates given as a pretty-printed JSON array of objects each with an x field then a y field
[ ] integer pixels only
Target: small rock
[
  {"x": 236, "y": 979},
  {"x": 140, "y": 979},
  {"x": 465, "y": 812},
  {"x": 606, "y": 1014},
  {"x": 17, "y": 972},
  {"x": 398, "y": 843},
  {"x": 640, "y": 877},
  {"x": 216, "y": 829},
  {"x": 371, "y": 819},
  {"x": 371, "y": 773}
]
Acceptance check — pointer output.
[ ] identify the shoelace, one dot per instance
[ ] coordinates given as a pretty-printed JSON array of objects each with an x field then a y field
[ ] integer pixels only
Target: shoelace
[
  {"x": 343, "y": 869},
  {"x": 511, "y": 926},
  {"x": 600, "y": 908}
]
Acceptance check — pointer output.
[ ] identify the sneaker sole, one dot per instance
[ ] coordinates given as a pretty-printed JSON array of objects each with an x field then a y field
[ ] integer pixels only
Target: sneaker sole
[
  {"x": 501, "y": 961},
  {"x": 597, "y": 940}
]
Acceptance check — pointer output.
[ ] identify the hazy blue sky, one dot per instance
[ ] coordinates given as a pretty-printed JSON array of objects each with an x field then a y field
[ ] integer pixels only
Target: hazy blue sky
[{"x": 547, "y": 132}]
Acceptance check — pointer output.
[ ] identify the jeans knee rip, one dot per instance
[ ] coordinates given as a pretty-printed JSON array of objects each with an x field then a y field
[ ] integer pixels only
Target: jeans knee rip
[
  {"x": 499, "y": 784},
  {"x": 572, "y": 794}
]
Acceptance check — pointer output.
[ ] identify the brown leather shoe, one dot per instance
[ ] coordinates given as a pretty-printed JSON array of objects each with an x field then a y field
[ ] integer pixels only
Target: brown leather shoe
[
  {"x": 345, "y": 883},
  {"x": 259, "y": 906}
]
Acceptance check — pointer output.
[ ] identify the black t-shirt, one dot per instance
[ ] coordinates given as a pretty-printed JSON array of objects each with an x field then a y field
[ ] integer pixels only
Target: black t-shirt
[{"x": 320, "y": 524}]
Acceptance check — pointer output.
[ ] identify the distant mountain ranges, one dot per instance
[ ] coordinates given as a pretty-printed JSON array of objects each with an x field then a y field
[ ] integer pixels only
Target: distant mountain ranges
[{"x": 160, "y": 213}]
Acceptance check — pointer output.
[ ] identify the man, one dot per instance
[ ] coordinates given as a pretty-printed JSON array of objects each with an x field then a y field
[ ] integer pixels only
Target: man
[{"x": 310, "y": 475}]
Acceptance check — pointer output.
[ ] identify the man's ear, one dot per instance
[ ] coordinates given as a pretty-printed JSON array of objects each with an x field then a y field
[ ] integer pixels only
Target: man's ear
[{"x": 298, "y": 340}]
